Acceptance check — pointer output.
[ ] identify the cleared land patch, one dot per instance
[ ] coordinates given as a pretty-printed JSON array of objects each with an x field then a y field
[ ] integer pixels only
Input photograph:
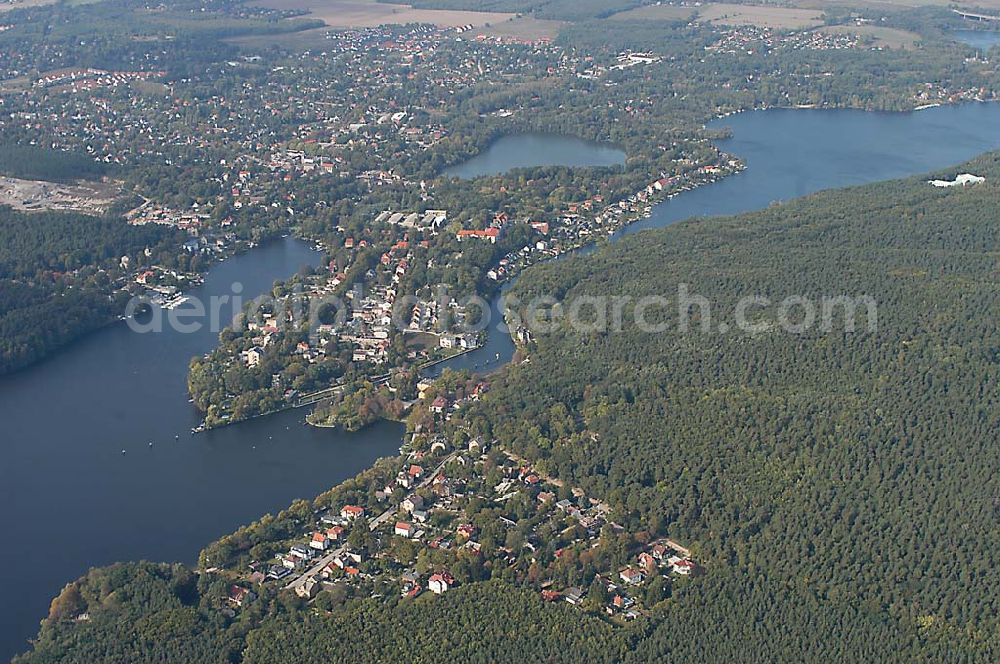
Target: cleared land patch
[
  {"x": 38, "y": 195},
  {"x": 369, "y": 13},
  {"x": 884, "y": 37}
]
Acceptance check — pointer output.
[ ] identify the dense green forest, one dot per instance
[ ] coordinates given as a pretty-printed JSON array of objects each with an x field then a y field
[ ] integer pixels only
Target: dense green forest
[
  {"x": 66, "y": 241},
  {"x": 35, "y": 163},
  {"x": 860, "y": 466},
  {"x": 142, "y": 612},
  {"x": 136, "y": 612},
  {"x": 57, "y": 271},
  {"x": 841, "y": 487}
]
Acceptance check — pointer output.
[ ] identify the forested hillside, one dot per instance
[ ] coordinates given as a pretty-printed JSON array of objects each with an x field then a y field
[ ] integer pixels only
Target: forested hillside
[
  {"x": 859, "y": 467},
  {"x": 56, "y": 275}
]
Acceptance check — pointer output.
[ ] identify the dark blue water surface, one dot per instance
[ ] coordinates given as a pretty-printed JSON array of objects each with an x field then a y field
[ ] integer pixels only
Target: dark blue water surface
[
  {"x": 70, "y": 500},
  {"x": 523, "y": 150},
  {"x": 981, "y": 39}
]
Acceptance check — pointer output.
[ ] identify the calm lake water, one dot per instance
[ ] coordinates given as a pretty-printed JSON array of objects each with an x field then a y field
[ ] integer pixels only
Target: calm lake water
[
  {"x": 981, "y": 39},
  {"x": 524, "y": 150},
  {"x": 70, "y": 500}
]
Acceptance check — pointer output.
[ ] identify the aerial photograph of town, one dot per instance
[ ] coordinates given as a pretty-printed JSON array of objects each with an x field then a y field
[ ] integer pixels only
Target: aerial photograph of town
[{"x": 499, "y": 331}]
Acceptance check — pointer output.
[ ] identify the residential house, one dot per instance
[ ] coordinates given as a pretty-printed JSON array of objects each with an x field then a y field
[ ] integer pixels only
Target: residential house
[
  {"x": 253, "y": 357},
  {"x": 238, "y": 596},
  {"x": 632, "y": 576},
  {"x": 320, "y": 542},
  {"x": 684, "y": 567},
  {"x": 647, "y": 562},
  {"x": 440, "y": 583},
  {"x": 573, "y": 595},
  {"x": 301, "y": 551},
  {"x": 351, "y": 512},
  {"x": 309, "y": 588},
  {"x": 490, "y": 235},
  {"x": 412, "y": 503}
]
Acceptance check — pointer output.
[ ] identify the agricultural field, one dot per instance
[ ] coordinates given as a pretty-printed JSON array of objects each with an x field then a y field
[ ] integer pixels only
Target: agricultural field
[
  {"x": 764, "y": 17},
  {"x": 314, "y": 38},
  {"x": 656, "y": 13},
  {"x": 523, "y": 28},
  {"x": 787, "y": 18},
  {"x": 884, "y": 37},
  {"x": 985, "y": 6},
  {"x": 369, "y": 13},
  {"x": 10, "y": 5}
]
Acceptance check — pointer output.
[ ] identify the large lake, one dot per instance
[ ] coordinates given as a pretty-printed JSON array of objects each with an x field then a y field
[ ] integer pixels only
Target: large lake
[
  {"x": 525, "y": 150},
  {"x": 70, "y": 500}
]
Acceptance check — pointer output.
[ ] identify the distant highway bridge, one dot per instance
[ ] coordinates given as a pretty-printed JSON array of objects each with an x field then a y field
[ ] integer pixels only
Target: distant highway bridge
[{"x": 974, "y": 16}]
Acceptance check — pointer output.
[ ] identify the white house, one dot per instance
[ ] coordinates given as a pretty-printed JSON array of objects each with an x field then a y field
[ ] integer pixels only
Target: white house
[
  {"x": 320, "y": 542},
  {"x": 440, "y": 583}
]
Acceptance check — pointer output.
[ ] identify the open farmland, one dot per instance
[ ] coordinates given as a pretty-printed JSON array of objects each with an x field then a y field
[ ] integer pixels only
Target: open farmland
[
  {"x": 369, "y": 13},
  {"x": 656, "y": 13},
  {"x": 729, "y": 14},
  {"x": 523, "y": 28},
  {"x": 884, "y": 37},
  {"x": 990, "y": 6},
  {"x": 9, "y": 5},
  {"x": 764, "y": 17}
]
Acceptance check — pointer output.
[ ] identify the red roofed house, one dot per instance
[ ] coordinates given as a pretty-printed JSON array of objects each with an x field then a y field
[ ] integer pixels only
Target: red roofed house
[
  {"x": 403, "y": 529},
  {"x": 238, "y": 595},
  {"x": 440, "y": 583},
  {"x": 352, "y": 511},
  {"x": 631, "y": 575},
  {"x": 684, "y": 567},
  {"x": 320, "y": 541},
  {"x": 490, "y": 234}
]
